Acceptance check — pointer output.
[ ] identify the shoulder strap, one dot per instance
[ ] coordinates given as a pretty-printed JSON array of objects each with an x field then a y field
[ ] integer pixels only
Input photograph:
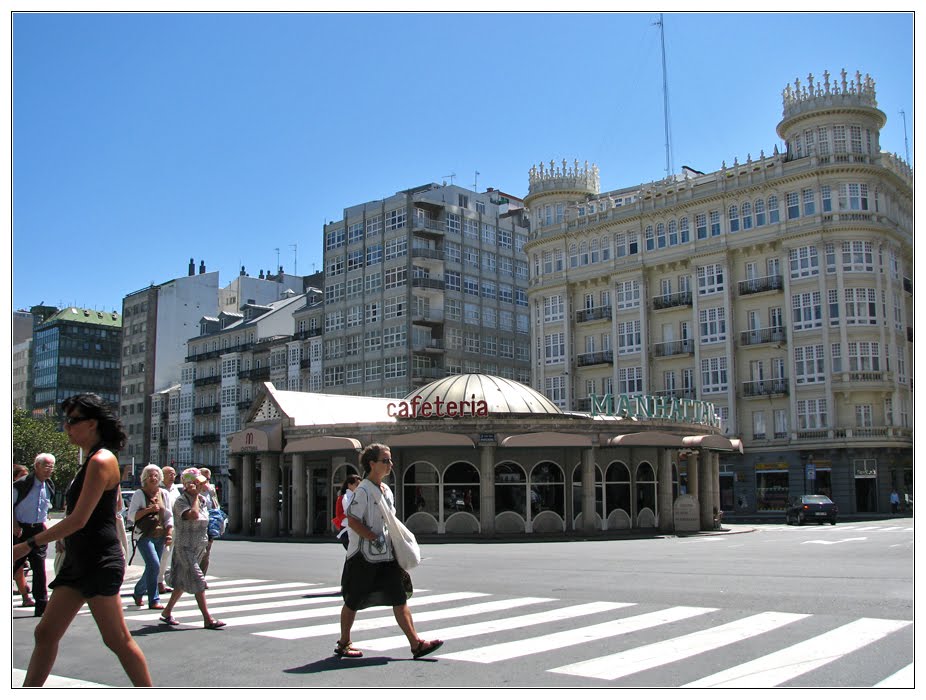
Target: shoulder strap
[{"x": 23, "y": 486}]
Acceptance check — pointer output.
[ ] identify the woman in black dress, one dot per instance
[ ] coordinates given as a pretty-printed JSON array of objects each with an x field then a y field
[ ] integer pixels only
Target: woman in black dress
[{"x": 94, "y": 564}]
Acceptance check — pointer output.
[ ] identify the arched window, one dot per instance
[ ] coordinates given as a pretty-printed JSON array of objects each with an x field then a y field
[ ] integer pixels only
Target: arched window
[
  {"x": 548, "y": 489},
  {"x": 421, "y": 490},
  {"x": 645, "y": 483},
  {"x": 617, "y": 488},
  {"x": 747, "y": 216},
  {"x": 734, "y": 218},
  {"x": 583, "y": 253},
  {"x": 461, "y": 489},
  {"x": 760, "y": 212},
  {"x": 510, "y": 489}
]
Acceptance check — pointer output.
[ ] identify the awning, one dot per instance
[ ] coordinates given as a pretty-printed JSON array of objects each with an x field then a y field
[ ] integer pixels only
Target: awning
[
  {"x": 329, "y": 443},
  {"x": 546, "y": 440},
  {"x": 257, "y": 439},
  {"x": 429, "y": 438},
  {"x": 646, "y": 439},
  {"x": 710, "y": 442}
]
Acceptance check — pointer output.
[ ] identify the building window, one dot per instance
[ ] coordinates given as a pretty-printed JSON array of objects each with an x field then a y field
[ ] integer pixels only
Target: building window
[
  {"x": 715, "y": 223},
  {"x": 806, "y": 311},
  {"x": 857, "y": 256},
  {"x": 713, "y": 375},
  {"x": 555, "y": 390},
  {"x": 630, "y": 380},
  {"x": 554, "y": 348},
  {"x": 861, "y": 308},
  {"x": 553, "y": 308},
  {"x": 701, "y": 226},
  {"x": 733, "y": 218},
  {"x": 811, "y": 414},
  {"x": 804, "y": 262},
  {"x": 395, "y": 219},
  {"x": 773, "y": 215},
  {"x": 710, "y": 279},
  {"x": 758, "y": 425},
  {"x": 628, "y": 294},
  {"x": 713, "y": 325},
  {"x": 853, "y": 197},
  {"x": 809, "y": 365},
  {"x": 794, "y": 209},
  {"x": 809, "y": 202},
  {"x": 864, "y": 356},
  {"x": 628, "y": 337}
]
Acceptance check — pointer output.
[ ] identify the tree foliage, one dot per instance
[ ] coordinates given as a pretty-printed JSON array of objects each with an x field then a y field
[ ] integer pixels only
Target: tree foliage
[{"x": 32, "y": 436}]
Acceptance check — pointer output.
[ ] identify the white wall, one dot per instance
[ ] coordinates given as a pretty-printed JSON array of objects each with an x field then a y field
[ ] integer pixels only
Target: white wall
[{"x": 181, "y": 304}]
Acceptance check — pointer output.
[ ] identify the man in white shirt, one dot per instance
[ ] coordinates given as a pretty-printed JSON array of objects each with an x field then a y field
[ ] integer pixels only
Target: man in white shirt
[{"x": 32, "y": 498}]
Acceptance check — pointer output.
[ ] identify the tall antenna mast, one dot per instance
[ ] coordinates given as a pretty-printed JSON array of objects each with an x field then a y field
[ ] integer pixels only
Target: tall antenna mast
[
  {"x": 295, "y": 269},
  {"x": 665, "y": 96},
  {"x": 905, "y": 144}
]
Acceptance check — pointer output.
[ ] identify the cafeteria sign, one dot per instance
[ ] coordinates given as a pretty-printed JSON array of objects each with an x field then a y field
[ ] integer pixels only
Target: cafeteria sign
[{"x": 642, "y": 407}]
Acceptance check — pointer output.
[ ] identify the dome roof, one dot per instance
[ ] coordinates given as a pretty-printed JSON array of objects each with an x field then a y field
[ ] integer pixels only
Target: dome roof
[{"x": 501, "y": 395}]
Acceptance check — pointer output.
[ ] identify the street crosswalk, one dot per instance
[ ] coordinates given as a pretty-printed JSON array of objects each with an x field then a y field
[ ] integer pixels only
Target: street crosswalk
[
  {"x": 839, "y": 527},
  {"x": 603, "y": 640},
  {"x": 614, "y": 641}
]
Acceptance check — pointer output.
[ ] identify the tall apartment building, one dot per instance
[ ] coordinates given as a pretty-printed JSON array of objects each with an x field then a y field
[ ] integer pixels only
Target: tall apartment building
[
  {"x": 157, "y": 321},
  {"x": 428, "y": 282},
  {"x": 24, "y": 323},
  {"x": 74, "y": 351},
  {"x": 780, "y": 288}
]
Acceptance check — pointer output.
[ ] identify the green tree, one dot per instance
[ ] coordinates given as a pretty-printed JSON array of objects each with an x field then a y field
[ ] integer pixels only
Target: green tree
[{"x": 34, "y": 435}]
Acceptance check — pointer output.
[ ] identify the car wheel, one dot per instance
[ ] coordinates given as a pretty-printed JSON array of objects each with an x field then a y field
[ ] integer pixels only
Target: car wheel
[{"x": 833, "y": 521}]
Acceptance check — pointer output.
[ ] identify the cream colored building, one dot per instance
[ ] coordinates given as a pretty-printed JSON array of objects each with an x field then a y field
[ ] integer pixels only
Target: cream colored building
[{"x": 779, "y": 288}]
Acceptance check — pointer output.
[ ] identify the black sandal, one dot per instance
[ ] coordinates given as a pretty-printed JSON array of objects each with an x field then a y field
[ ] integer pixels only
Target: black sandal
[
  {"x": 424, "y": 648},
  {"x": 346, "y": 649}
]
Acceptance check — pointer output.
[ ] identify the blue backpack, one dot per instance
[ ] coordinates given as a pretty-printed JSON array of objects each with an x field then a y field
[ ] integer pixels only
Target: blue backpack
[{"x": 217, "y": 522}]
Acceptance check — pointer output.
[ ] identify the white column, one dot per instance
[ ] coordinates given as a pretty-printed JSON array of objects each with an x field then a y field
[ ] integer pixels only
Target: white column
[
  {"x": 234, "y": 494},
  {"x": 300, "y": 496}
]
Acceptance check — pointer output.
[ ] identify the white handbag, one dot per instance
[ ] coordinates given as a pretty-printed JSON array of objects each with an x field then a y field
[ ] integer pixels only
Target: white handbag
[{"x": 404, "y": 545}]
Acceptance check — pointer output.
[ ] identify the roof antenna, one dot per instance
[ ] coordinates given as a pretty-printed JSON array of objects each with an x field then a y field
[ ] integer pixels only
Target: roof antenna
[
  {"x": 295, "y": 269},
  {"x": 665, "y": 95},
  {"x": 905, "y": 144},
  {"x": 451, "y": 176}
]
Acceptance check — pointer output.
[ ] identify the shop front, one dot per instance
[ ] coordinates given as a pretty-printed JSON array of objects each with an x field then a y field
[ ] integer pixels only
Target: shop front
[{"x": 477, "y": 455}]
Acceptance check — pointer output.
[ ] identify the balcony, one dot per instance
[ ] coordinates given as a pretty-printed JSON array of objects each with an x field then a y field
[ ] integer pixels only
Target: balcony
[
  {"x": 427, "y": 283},
  {"x": 432, "y": 345},
  {"x": 206, "y": 381},
  {"x": 763, "y": 284},
  {"x": 430, "y": 225},
  {"x": 206, "y": 410},
  {"x": 597, "y": 314},
  {"x": 428, "y": 318},
  {"x": 605, "y": 357},
  {"x": 307, "y": 333},
  {"x": 428, "y": 253},
  {"x": 205, "y": 438},
  {"x": 668, "y": 301},
  {"x": 261, "y": 374},
  {"x": 759, "y": 336},
  {"x": 428, "y": 373},
  {"x": 674, "y": 347},
  {"x": 766, "y": 387}
]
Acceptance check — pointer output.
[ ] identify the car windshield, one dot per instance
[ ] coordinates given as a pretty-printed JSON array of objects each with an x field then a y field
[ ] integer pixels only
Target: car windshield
[{"x": 816, "y": 499}]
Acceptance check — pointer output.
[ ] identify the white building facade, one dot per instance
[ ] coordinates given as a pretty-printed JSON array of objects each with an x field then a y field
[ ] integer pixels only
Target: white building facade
[{"x": 779, "y": 288}]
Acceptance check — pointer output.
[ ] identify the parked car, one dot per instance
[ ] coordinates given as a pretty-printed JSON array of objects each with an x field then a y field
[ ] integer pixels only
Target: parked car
[{"x": 814, "y": 508}]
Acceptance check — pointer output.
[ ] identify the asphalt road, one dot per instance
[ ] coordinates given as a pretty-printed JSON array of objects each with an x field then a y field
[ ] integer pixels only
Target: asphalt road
[{"x": 760, "y": 606}]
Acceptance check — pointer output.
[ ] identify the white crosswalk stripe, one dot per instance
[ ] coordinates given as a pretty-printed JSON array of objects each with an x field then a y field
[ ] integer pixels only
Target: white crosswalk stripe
[
  {"x": 498, "y": 625},
  {"x": 582, "y": 635},
  {"x": 643, "y": 658},
  {"x": 378, "y": 622},
  {"x": 780, "y": 666}
]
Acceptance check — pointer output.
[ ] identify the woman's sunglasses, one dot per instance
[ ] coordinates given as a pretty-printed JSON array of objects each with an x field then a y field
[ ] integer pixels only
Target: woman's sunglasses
[{"x": 74, "y": 420}]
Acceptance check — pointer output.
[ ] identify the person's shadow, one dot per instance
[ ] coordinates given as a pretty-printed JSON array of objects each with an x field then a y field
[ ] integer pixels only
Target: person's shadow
[{"x": 334, "y": 663}]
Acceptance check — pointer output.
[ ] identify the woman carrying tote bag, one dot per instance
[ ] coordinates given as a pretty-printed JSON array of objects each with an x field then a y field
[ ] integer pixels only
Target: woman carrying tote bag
[{"x": 372, "y": 576}]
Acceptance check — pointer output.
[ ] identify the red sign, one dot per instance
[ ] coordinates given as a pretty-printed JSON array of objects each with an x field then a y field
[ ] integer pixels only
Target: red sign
[{"x": 419, "y": 408}]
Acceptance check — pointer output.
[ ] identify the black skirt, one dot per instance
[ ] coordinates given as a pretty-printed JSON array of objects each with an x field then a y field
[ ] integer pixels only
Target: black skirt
[{"x": 367, "y": 585}]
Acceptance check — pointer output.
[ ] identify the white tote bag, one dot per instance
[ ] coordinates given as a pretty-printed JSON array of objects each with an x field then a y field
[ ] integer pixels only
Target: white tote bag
[{"x": 404, "y": 545}]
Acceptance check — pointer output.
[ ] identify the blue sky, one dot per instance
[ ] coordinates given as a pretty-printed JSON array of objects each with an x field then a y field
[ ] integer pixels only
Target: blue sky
[{"x": 142, "y": 140}]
